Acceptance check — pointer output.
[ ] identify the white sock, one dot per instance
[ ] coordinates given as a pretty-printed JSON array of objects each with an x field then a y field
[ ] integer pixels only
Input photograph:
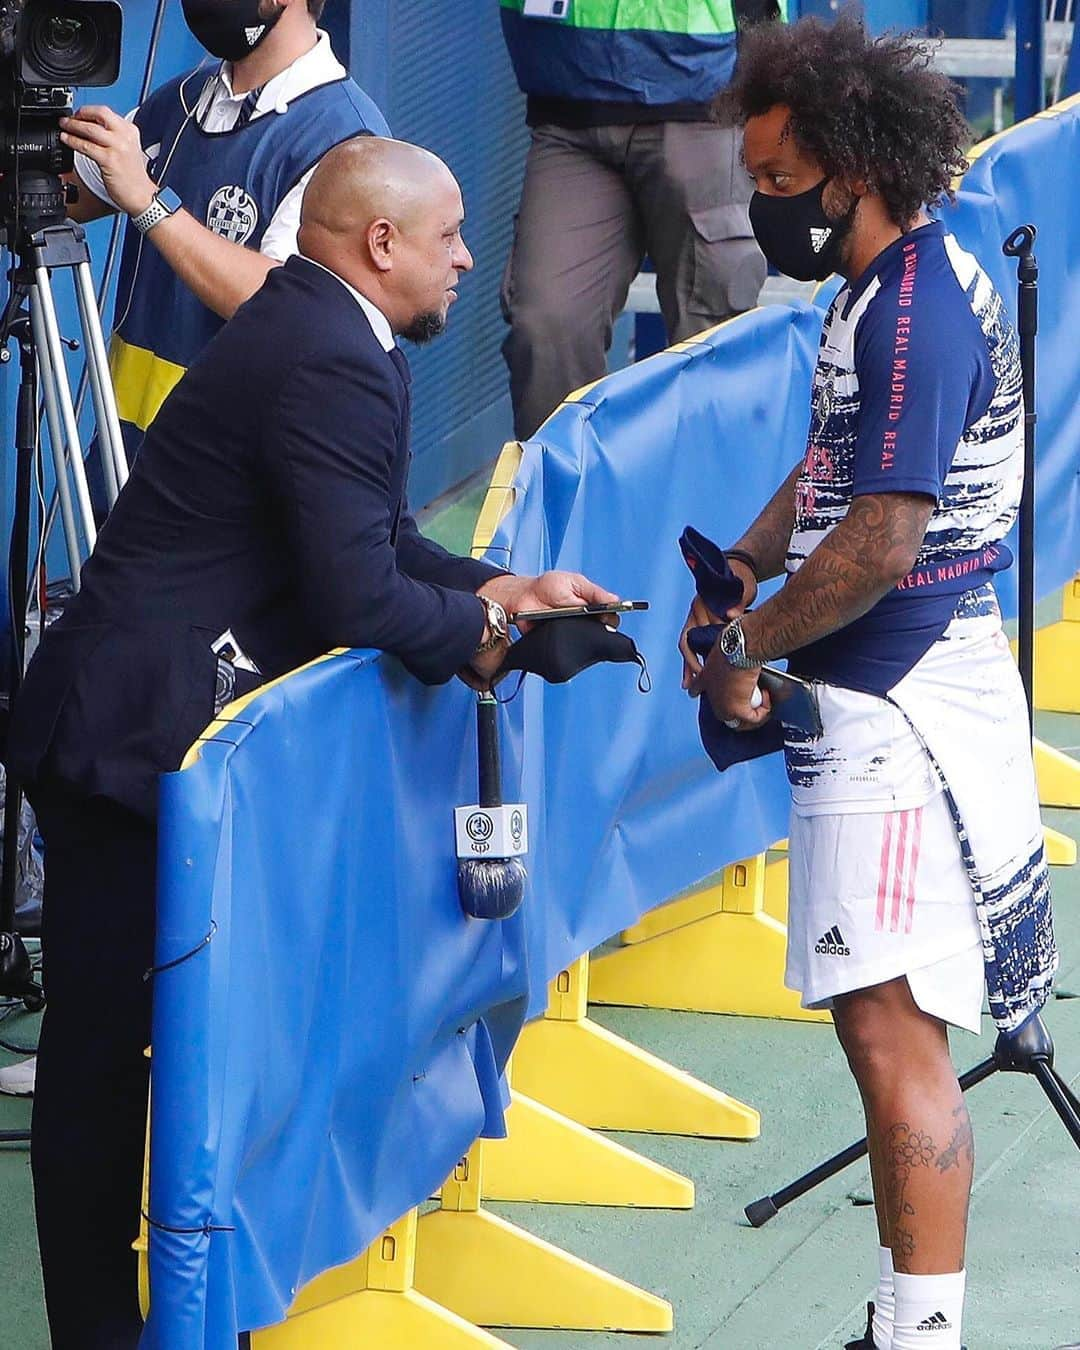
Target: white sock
[
  {"x": 928, "y": 1312},
  {"x": 884, "y": 1301}
]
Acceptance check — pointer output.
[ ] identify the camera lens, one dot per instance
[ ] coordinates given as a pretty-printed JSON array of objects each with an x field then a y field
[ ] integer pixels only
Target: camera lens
[{"x": 64, "y": 47}]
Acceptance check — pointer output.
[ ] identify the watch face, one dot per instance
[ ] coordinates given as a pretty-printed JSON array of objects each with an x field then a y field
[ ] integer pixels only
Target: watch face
[{"x": 729, "y": 641}]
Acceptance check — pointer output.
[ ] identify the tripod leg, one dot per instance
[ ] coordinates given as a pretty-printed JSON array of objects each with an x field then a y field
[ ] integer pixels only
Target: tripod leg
[
  {"x": 761, "y": 1211},
  {"x": 110, "y": 436},
  {"x": 1061, "y": 1099},
  {"x": 56, "y": 438},
  {"x": 42, "y": 299}
]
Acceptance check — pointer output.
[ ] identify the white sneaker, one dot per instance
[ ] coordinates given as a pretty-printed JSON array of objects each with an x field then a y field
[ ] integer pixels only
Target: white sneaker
[{"x": 17, "y": 1080}]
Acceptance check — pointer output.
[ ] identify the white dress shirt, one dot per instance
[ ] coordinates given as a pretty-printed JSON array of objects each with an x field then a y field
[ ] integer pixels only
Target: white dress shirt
[{"x": 218, "y": 109}]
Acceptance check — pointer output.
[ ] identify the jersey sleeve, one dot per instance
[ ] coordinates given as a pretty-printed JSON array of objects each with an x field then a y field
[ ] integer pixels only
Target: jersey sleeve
[{"x": 924, "y": 377}]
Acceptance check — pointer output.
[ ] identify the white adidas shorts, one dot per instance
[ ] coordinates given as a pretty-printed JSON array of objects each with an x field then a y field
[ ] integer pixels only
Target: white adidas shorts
[{"x": 879, "y": 894}]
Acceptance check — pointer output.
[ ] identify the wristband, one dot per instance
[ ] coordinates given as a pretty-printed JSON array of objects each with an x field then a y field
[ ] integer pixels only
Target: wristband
[{"x": 741, "y": 555}]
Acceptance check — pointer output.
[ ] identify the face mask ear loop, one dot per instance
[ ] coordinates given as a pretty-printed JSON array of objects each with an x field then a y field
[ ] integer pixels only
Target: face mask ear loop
[
  {"x": 517, "y": 690},
  {"x": 644, "y": 683}
]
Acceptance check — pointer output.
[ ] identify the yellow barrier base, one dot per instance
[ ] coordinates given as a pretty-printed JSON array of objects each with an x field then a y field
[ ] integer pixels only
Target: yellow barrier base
[
  {"x": 777, "y": 869},
  {"x": 1058, "y": 776},
  {"x": 1060, "y": 849},
  {"x": 731, "y": 961},
  {"x": 490, "y": 1272},
  {"x": 1056, "y": 657},
  {"x": 372, "y": 1302},
  {"x": 550, "y": 1159},
  {"x": 598, "y": 1079}
]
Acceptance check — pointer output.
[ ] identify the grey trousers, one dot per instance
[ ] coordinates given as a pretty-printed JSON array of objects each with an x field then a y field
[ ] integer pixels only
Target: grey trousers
[{"x": 594, "y": 202}]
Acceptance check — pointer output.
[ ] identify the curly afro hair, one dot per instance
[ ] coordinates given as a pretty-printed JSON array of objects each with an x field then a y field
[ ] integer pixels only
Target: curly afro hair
[{"x": 863, "y": 108}]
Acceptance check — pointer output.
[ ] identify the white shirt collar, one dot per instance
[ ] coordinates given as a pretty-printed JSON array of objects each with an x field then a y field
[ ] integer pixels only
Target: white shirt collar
[
  {"x": 315, "y": 68},
  {"x": 380, "y": 324}
]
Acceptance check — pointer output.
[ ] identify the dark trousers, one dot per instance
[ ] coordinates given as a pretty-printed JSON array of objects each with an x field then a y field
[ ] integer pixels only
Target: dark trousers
[
  {"x": 90, "y": 1096},
  {"x": 593, "y": 203}
]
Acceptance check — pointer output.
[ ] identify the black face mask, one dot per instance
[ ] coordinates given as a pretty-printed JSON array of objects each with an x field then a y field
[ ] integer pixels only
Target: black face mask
[
  {"x": 796, "y": 235},
  {"x": 229, "y": 29},
  {"x": 558, "y": 649}
]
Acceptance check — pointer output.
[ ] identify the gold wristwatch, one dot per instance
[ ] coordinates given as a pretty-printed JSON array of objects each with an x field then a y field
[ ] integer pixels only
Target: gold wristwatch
[{"x": 497, "y": 623}]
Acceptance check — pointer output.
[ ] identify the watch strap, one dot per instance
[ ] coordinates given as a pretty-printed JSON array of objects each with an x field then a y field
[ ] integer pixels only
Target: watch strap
[
  {"x": 733, "y": 647},
  {"x": 165, "y": 204}
]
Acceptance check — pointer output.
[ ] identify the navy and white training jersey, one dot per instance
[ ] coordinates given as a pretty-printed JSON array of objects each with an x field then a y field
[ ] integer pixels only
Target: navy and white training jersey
[{"x": 917, "y": 389}]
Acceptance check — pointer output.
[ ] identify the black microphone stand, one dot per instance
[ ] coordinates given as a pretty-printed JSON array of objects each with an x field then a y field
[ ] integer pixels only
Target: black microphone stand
[{"x": 1029, "y": 1048}]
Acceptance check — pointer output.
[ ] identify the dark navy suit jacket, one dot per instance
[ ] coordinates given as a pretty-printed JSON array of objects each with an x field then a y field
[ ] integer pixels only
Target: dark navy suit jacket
[{"x": 269, "y": 499}]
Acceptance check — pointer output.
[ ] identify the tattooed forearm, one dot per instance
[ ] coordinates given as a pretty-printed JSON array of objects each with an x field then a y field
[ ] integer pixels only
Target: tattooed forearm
[
  {"x": 862, "y": 558},
  {"x": 960, "y": 1146},
  {"x": 767, "y": 539}
]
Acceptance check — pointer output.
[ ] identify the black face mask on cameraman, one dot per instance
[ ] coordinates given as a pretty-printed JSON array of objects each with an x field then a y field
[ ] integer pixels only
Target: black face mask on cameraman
[
  {"x": 229, "y": 29},
  {"x": 796, "y": 235}
]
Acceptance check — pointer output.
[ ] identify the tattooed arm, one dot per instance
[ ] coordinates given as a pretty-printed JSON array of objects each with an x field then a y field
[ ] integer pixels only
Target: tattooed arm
[
  {"x": 857, "y": 562},
  {"x": 860, "y": 559},
  {"x": 767, "y": 539}
]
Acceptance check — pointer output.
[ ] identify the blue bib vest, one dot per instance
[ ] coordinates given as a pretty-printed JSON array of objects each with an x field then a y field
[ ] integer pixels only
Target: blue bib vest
[{"x": 233, "y": 182}]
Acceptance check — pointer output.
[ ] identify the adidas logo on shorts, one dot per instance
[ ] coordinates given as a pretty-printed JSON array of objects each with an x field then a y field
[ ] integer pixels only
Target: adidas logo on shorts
[
  {"x": 832, "y": 944},
  {"x": 935, "y": 1322}
]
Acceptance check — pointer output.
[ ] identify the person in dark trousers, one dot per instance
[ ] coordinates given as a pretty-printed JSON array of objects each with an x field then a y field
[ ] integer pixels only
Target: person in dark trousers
[
  {"x": 265, "y": 522},
  {"x": 919, "y": 884},
  {"x": 626, "y": 160}
]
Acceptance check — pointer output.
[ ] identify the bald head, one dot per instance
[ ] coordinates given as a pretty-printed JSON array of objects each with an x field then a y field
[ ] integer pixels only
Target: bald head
[
  {"x": 386, "y": 216},
  {"x": 368, "y": 177}
]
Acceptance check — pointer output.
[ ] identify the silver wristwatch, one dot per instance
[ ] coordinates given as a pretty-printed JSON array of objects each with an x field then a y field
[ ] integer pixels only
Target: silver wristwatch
[
  {"x": 733, "y": 647},
  {"x": 165, "y": 204},
  {"x": 497, "y": 623}
]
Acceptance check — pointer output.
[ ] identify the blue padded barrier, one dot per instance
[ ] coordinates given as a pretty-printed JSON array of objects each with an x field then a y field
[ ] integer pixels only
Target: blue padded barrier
[
  {"x": 1031, "y": 174},
  {"x": 311, "y": 1078},
  {"x": 324, "y": 1060}
]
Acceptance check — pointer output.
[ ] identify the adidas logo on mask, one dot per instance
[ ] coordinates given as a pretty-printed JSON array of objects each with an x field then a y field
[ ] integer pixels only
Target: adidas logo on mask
[
  {"x": 832, "y": 944},
  {"x": 254, "y": 34},
  {"x": 819, "y": 238},
  {"x": 935, "y": 1322}
]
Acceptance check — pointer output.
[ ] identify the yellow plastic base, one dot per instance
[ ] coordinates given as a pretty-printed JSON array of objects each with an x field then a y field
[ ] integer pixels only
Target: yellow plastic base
[
  {"x": 491, "y": 1272},
  {"x": 550, "y": 1159},
  {"x": 1060, "y": 849},
  {"x": 372, "y": 1302},
  {"x": 398, "y": 1321},
  {"x": 777, "y": 869},
  {"x": 1056, "y": 657},
  {"x": 596, "y": 1078},
  {"x": 1058, "y": 777},
  {"x": 730, "y": 960}
]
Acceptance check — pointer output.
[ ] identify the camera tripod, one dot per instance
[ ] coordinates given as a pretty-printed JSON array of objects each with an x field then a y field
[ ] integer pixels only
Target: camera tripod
[
  {"x": 42, "y": 241},
  {"x": 1029, "y": 1047}
]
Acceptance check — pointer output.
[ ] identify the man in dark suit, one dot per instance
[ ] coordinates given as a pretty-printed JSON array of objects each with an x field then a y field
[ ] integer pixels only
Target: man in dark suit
[{"x": 266, "y": 517}]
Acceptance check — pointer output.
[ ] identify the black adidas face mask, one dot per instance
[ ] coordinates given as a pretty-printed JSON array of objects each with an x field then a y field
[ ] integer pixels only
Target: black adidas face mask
[
  {"x": 796, "y": 235},
  {"x": 229, "y": 29}
]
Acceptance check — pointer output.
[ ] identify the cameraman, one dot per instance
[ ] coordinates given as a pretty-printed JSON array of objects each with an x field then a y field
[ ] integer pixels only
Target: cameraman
[{"x": 211, "y": 170}]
